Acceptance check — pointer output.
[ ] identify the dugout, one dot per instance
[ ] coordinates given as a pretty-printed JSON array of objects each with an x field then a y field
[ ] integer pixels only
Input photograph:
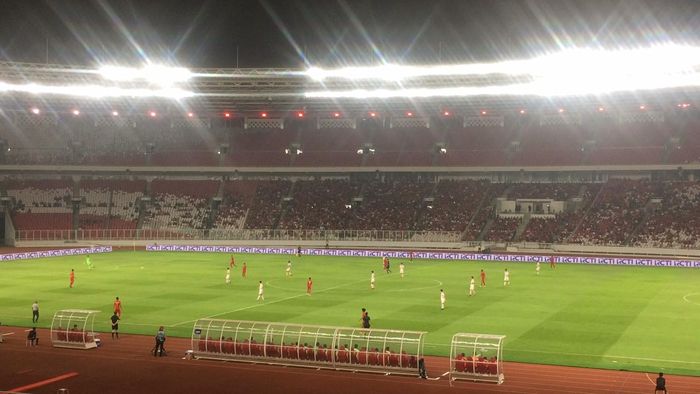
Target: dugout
[
  {"x": 477, "y": 357},
  {"x": 74, "y": 328},
  {"x": 385, "y": 351}
]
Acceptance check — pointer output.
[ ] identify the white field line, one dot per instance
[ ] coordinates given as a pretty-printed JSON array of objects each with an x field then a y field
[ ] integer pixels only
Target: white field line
[
  {"x": 685, "y": 298},
  {"x": 8, "y": 333},
  {"x": 267, "y": 303}
]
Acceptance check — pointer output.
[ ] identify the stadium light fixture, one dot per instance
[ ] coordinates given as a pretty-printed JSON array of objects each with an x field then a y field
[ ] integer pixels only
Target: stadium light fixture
[
  {"x": 155, "y": 74},
  {"x": 36, "y": 111},
  {"x": 152, "y": 114},
  {"x": 336, "y": 114},
  {"x": 300, "y": 114},
  {"x": 446, "y": 113},
  {"x": 263, "y": 114},
  {"x": 227, "y": 114},
  {"x": 190, "y": 115},
  {"x": 372, "y": 114},
  {"x": 601, "y": 109},
  {"x": 75, "y": 112},
  {"x": 409, "y": 114},
  {"x": 561, "y": 110},
  {"x": 115, "y": 113},
  {"x": 483, "y": 112},
  {"x": 522, "y": 112},
  {"x": 642, "y": 107}
]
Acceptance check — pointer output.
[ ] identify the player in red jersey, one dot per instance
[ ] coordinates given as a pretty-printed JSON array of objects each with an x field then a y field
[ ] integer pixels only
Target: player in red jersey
[
  {"x": 483, "y": 278},
  {"x": 244, "y": 272},
  {"x": 309, "y": 284},
  {"x": 118, "y": 307},
  {"x": 72, "y": 277},
  {"x": 552, "y": 262},
  {"x": 232, "y": 263}
]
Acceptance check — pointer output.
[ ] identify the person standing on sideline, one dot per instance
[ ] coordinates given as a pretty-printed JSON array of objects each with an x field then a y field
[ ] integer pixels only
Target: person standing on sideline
[
  {"x": 552, "y": 262},
  {"x": 309, "y": 284},
  {"x": 72, "y": 278},
  {"x": 115, "y": 325},
  {"x": 483, "y": 278},
  {"x": 442, "y": 299},
  {"x": 232, "y": 263},
  {"x": 244, "y": 271},
  {"x": 401, "y": 269},
  {"x": 160, "y": 342},
  {"x": 261, "y": 291},
  {"x": 660, "y": 384},
  {"x": 118, "y": 307},
  {"x": 537, "y": 269},
  {"x": 35, "y": 312},
  {"x": 506, "y": 277},
  {"x": 372, "y": 279},
  {"x": 365, "y": 319},
  {"x": 228, "y": 276},
  {"x": 472, "y": 287}
]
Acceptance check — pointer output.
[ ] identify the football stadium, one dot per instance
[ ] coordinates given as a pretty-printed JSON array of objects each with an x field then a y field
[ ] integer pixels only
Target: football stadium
[{"x": 395, "y": 196}]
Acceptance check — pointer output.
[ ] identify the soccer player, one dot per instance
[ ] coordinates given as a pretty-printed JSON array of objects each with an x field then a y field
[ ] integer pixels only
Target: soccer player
[
  {"x": 483, "y": 278},
  {"x": 371, "y": 280},
  {"x": 552, "y": 262},
  {"x": 288, "y": 273},
  {"x": 232, "y": 263},
  {"x": 118, "y": 307},
  {"x": 261, "y": 290},
  {"x": 410, "y": 256},
  {"x": 443, "y": 298},
  {"x": 72, "y": 278},
  {"x": 88, "y": 262},
  {"x": 660, "y": 384},
  {"x": 385, "y": 263},
  {"x": 35, "y": 312},
  {"x": 365, "y": 318},
  {"x": 299, "y": 249},
  {"x": 244, "y": 272},
  {"x": 309, "y": 284},
  {"x": 228, "y": 276},
  {"x": 537, "y": 269},
  {"x": 115, "y": 325},
  {"x": 506, "y": 277},
  {"x": 472, "y": 287},
  {"x": 401, "y": 269}
]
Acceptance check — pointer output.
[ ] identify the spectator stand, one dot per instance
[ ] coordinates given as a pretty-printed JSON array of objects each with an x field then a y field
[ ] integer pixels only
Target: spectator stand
[
  {"x": 477, "y": 357},
  {"x": 74, "y": 328},
  {"x": 340, "y": 348}
]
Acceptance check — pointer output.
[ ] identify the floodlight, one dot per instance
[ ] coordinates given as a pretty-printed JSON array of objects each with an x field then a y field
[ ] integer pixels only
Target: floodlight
[
  {"x": 115, "y": 113},
  {"x": 483, "y": 112},
  {"x": 155, "y": 74},
  {"x": 372, "y": 114},
  {"x": 190, "y": 115},
  {"x": 152, "y": 114},
  {"x": 263, "y": 115},
  {"x": 409, "y": 113},
  {"x": 336, "y": 114},
  {"x": 76, "y": 112},
  {"x": 227, "y": 114},
  {"x": 446, "y": 113},
  {"x": 601, "y": 109},
  {"x": 560, "y": 110},
  {"x": 300, "y": 114},
  {"x": 36, "y": 111},
  {"x": 642, "y": 107},
  {"x": 522, "y": 112}
]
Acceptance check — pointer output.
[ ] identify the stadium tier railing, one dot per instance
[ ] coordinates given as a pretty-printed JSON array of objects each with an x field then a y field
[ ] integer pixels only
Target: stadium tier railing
[
  {"x": 477, "y": 357},
  {"x": 235, "y": 234},
  {"x": 74, "y": 328},
  {"x": 341, "y": 348}
]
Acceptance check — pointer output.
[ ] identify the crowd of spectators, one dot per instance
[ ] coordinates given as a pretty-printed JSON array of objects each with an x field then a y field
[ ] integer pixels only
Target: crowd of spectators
[
  {"x": 675, "y": 222},
  {"x": 323, "y": 204}
]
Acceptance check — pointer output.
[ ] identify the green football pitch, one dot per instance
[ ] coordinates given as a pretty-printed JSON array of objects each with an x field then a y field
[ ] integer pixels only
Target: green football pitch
[{"x": 631, "y": 318}]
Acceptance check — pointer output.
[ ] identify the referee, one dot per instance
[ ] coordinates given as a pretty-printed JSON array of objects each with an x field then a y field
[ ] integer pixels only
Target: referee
[{"x": 35, "y": 312}]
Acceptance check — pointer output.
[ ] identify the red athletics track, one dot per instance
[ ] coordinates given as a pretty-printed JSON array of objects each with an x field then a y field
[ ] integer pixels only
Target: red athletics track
[{"x": 126, "y": 366}]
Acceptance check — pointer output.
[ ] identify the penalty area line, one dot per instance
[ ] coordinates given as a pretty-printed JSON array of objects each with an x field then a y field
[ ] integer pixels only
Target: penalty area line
[
  {"x": 606, "y": 356},
  {"x": 267, "y": 303}
]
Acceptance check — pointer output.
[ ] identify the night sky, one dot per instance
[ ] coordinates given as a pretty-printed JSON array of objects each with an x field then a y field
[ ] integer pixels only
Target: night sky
[{"x": 290, "y": 33}]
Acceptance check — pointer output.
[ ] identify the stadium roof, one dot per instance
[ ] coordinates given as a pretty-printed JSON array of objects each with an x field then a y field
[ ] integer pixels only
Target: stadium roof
[{"x": 247, "y": 90}]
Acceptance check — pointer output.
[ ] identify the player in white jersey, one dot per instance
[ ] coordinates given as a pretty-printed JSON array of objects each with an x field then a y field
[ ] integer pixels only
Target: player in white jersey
[
  {"x": 401, "y": 269},
  {"x": 537, "y": 269},
  {"x": 472, "y": 287},
  {"x": 228, "y": 276},
  {"x": 506, "y": 277},
  {"x": 442, "y": 299},
  {"x": 371, "y": 281},
  {"x": 288, "y": 272},
  {"x": 261, "y": 291}
]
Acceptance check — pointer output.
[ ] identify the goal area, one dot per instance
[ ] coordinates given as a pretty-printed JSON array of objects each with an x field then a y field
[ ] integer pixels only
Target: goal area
[{"x": 477, "y": 357}]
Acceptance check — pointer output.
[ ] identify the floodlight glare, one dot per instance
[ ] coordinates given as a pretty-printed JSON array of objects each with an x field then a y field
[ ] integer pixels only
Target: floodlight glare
[
  {"x": 36, "y": 111},
  {"x": 115, "y": 113},
  {"x": 155, "y": 74}
]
